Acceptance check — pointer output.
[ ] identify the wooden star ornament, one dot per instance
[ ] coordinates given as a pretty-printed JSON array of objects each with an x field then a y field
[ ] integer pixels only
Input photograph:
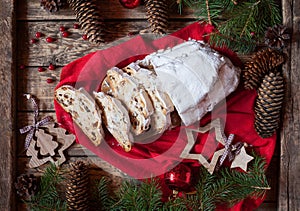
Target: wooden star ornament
[
  {"x": 241, "y": 160},
  {"x": 216, "y": 124}
]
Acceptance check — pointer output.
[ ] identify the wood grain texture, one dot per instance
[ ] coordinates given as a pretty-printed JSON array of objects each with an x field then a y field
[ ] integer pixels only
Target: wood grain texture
[
  {"x": 31, "y": 10},
  {"x": 64, "y": 50},
  {"x": 289, "y": 191},
  {"x": 7, "y": 108}
]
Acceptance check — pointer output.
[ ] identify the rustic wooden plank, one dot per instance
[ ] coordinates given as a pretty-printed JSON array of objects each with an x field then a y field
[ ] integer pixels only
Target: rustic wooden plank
[
  {"x": 65, "y": 50},
  {"x": 31, "y": 10},
  {"x": 7, "y": 107},
  {"x": 289, "y": 197}
]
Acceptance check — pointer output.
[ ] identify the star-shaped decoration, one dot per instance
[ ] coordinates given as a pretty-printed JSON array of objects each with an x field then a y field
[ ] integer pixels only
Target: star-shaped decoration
[
  {"x": 242, "y": 159},
  {"x": 191, "y": 142}
]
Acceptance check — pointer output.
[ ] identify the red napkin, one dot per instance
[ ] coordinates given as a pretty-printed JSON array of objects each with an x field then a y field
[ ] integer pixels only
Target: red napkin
[{"x": 161, "y": 155}]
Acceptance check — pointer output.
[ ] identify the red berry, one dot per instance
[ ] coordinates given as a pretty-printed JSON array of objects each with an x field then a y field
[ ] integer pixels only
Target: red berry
[
  {"x": 41, "y": 69},
  {"x": 38, "y": 34},
  {"x": 65, "y": 34},
  {"x": 84, "y": 37},
  {"x": 130, "y": 4},
  {"x": 32, "y": 41},
  {"x": 22, "y": 67},
  {"x": 62, "y": 28},
  {"x": 252, "y": 34},
  {"x": 50, "y": 80},
  {"x": 51, "y": 67},
  {"x": 50, "y": 39},
  {"x": 76, "y": 26}
]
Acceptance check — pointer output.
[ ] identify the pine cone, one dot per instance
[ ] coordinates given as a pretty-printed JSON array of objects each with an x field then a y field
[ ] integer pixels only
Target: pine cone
[
  {"x": 157, "y": 15},
  {"x": 52, "y": 5},
  {"x": 268, "y": 104},
  {"x": 89, "y": 18},
  {"x": 262, "y": 62},
  {"x": 26, "y": 185},
  {"x": 77, "y": 191},
  {"x": 277, "y": 36}
]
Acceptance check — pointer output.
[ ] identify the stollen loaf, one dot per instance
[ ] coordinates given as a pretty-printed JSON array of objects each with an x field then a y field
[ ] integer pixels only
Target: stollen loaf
[
  {"x": 83, "y": 109},
  {"x": 195, "y": 77}
]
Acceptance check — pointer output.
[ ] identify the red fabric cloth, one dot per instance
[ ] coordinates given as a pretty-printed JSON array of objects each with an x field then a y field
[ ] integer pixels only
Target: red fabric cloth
[{"x": 159, "y": 156}]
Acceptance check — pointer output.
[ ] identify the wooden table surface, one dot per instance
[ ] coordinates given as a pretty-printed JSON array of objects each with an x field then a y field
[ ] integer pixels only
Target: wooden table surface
[{"x": 20, "y": 19}]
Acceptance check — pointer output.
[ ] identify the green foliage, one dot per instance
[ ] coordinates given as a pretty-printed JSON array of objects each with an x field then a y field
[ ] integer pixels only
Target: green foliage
[
  {"x": 226, "y": 187},
  {"x": 48, "y": 196},
  {"x": 240, "y": 24}
]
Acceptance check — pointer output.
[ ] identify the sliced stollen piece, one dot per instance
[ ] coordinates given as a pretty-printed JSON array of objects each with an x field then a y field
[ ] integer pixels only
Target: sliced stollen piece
[
  {"x": 83, "y": 109},
  {"x": 160, "y": 119},
  {"x": 116, "y": 119},
  {"x": 136, "y": 100}
]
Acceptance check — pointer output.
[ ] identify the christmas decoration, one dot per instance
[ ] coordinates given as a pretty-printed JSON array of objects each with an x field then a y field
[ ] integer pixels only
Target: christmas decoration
[
  {"x": 236, "y": 21},
  {"x": 30, "y": 129},
  {"x": 226, "y": 187},
  {"x": 39, "y": 34},
  {"x": 50, "y": 39},
  {"x": 26, "y": 185},
  {"x": 260, "y": 65},
  {"x": 242, "y": 159},
  {"x": 52, "y": 5},
  {"x": 268, "y": 104},
  {"x": 191, "y": 142},
  {"x": 48, "y": 139},
  {"x": 179, "y": 178},
  {"x": 77, "y": 191},
  {"x": 41, "y": 69},
  {"x": 277, "y": 36},
  {"x": 157, "y": 15},
  {"x": 51, "y": 67},
  {"x": 130, "y": 4},
  {"x": 89, "y": 19}
]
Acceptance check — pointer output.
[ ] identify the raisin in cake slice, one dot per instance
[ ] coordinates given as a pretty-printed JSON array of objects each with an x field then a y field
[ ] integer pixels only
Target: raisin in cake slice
[
  {"x": 133, "y": 96},
  {"x": 115, "y": 118},
  {"x": 83, "y": 109}
]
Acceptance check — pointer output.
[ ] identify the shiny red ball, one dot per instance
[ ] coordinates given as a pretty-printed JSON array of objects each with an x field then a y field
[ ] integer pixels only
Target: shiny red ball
[
  {"x": 38, "y": 34},
  {"x": 65, "y": 34},
  {"x": 50, "y": 39},
  {"x": 130, "y": 4},
  {"x": 32, "y": 41},
  {"x": 51, "y": 67},
  {"x": 62, "y": 28},
  {"x": 76, "y": 26},
  {"x": 84, "y": 37},
  {"x": 50, "y": 80},
  {"x": 41, "y": 69}
]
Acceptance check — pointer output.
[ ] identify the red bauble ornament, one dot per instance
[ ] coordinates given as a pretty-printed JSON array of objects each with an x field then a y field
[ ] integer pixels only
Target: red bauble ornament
[
  {"x": 22, "y": 66},
  {"x": 130, "y": 4},
  {"x": 179, "y": 178}
]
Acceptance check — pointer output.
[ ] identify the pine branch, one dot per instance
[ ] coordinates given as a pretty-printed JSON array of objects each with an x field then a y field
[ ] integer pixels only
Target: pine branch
[
  {"x": 48, "y": 198},
  {"x": 239, "y": 25}
]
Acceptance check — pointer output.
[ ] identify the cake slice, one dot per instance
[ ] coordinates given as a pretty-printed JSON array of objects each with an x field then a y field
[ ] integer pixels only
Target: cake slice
[
  {"x": 85, "y": 113},
  {"x": 160, "y": 119},
  {"x": 133, "y": 96},
  {"x": 115, "y": 118}
]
